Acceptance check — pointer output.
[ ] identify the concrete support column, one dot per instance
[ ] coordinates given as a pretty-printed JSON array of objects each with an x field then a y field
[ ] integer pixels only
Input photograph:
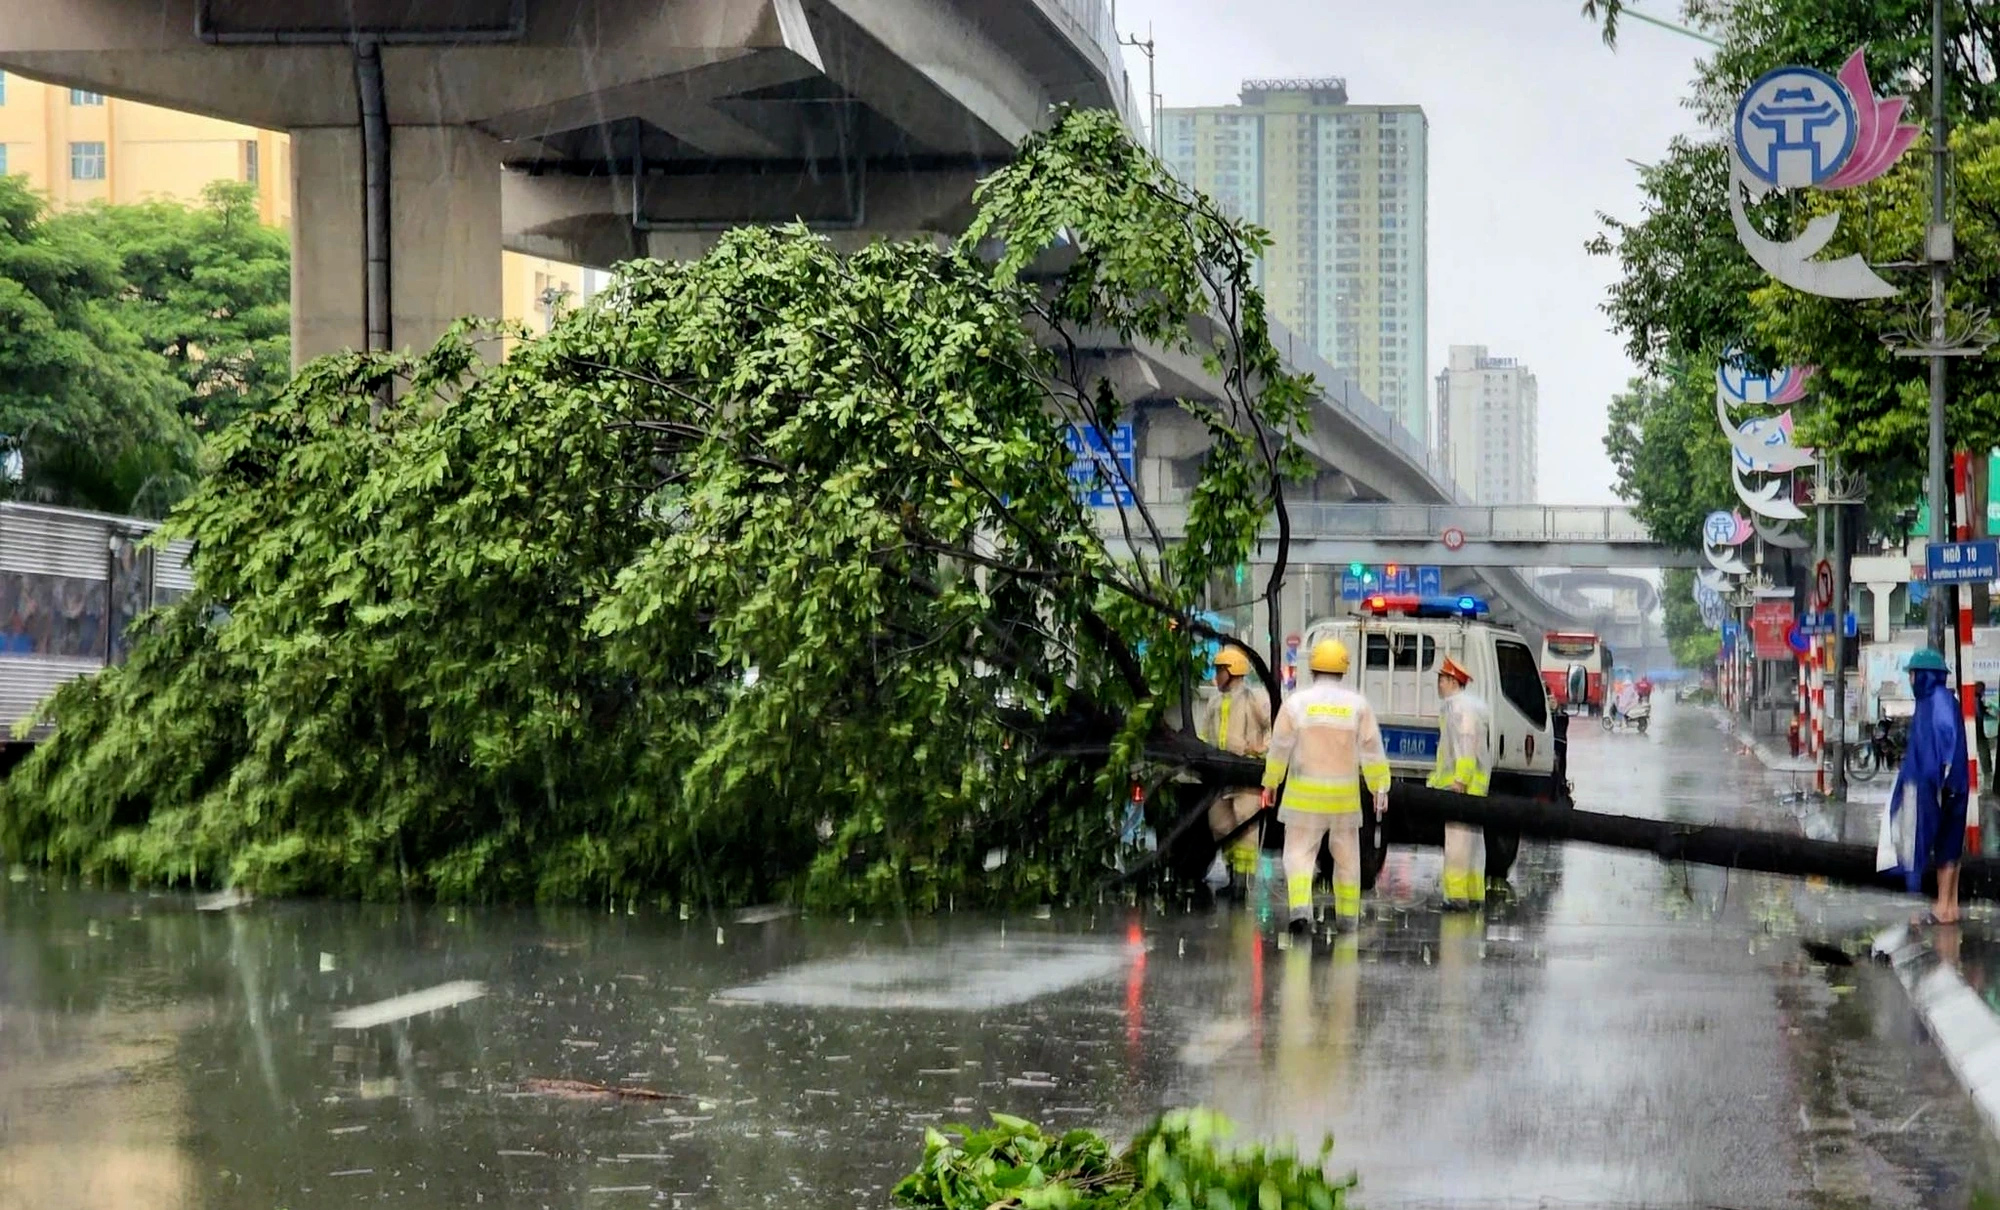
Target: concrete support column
[{"x": 444, "y": 235}]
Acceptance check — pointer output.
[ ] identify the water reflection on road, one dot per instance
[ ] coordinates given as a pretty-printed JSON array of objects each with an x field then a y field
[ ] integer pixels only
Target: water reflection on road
[{"x": 1620, "y": 1032}]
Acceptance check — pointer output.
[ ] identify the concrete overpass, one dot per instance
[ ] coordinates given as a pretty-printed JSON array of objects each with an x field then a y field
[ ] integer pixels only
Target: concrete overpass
[
  {"x": 426, "y": 136},
  {"x": 1531, "y": 535}
]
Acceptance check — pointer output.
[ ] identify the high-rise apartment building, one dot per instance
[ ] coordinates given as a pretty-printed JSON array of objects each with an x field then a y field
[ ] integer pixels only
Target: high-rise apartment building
[
  {"x": 1342, "y": 189},
  {"x": 1486, "y": 415},
  {"x": 77, "y": 147}
]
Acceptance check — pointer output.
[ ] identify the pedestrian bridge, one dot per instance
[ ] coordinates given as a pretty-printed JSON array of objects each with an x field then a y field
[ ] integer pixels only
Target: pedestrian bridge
[{"x": 1505, "y": 535}]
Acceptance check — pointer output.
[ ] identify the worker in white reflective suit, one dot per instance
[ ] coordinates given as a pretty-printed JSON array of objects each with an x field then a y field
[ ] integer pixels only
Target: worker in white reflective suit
[
  {"x": 1237, "y": 719},
  {"x": 1324, "y": 745},
  {"x": 1464, "y": 766}
]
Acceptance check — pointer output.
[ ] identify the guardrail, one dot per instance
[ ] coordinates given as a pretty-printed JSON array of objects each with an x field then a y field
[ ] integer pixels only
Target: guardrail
[
  {"x": 1093, "y": 23},
  {"x": 1340, "y": 390}
]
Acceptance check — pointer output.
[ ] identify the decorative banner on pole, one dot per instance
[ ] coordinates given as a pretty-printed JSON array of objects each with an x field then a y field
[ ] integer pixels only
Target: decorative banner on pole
[
  {"x": 1797, "y": 127},
  {"x": 1724, "y": 529}
]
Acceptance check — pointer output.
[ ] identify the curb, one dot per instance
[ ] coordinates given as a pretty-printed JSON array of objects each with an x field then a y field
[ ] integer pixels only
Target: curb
[
  {"x": 1965, "y": 1030},
  {"x": 1755, "y": 747}
]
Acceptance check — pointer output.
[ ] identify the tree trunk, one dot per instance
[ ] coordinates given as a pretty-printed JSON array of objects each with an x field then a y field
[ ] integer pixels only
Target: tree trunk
[{"x": 1705, "y": 844}]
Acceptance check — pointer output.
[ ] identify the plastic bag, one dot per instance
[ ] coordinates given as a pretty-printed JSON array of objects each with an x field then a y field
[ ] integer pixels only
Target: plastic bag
[{"x": 1896, "y": 841}]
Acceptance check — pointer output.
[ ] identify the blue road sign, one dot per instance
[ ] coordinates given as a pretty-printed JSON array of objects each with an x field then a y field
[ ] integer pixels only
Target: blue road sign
[
  {"x": 1430, "y": 581},
  {"x": 1102, "y": 474},
  {"x": 1351, "y": 588},
  {"x": 1976, "y": 562},
  {"x": 1822, "y": 623}
]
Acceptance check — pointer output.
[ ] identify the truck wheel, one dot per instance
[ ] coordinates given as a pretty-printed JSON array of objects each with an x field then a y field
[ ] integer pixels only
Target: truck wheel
[{"x": 1501, "y": 850}]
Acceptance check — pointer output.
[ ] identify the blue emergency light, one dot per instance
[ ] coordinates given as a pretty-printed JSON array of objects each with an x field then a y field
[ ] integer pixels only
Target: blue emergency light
[{"x": 1410, "y": 605}]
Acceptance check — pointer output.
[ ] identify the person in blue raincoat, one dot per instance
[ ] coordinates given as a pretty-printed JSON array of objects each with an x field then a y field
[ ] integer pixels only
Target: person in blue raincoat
[{"x": 1928, "y": 801}]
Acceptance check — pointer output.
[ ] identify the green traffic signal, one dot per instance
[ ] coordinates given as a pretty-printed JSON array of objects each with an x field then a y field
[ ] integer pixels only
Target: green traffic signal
[{"x": 1356, "y": 570}]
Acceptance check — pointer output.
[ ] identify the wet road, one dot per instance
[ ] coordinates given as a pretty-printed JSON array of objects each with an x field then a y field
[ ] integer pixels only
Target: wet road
[{"x": 1623, "y": 1033}]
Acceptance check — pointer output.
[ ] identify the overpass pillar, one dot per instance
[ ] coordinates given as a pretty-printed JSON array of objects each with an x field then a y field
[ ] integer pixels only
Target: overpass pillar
[{"x": 444, "y": 235}]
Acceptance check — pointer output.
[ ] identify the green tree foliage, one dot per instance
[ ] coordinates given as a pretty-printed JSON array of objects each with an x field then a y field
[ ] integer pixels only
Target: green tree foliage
[
  {"x": 1871, "y": 405},
  {"x": 1686, "y": 290},
  {"x": 126, "y": 332},
  {"x": 1669, "y": 455},
  {"x": 90, "y": 413},
  {"x": 207, "y": 287},
  {"x": 1757, "y": 35},
  {"x": 1694, "y": 645},
  {"x": 759, "y": 574},
  {"x": 1182, "y": 1160}
]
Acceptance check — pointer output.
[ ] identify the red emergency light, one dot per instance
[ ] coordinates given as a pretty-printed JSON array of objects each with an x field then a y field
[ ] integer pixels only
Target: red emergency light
[{"x": 1411, "y": 605}]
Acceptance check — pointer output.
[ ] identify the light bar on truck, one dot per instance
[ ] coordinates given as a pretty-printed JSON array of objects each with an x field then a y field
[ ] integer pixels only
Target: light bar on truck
[{"x": 1410, "y": 605}]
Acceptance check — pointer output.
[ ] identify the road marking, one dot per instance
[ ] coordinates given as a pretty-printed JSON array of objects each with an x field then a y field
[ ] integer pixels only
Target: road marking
[{"x": 410, "y": 1004}]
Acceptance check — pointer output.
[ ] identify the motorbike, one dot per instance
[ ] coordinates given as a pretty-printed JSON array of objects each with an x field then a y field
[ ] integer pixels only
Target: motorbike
[
  {"x": 1881, "y": 747},
  {"x": 1636, "y": 718}
]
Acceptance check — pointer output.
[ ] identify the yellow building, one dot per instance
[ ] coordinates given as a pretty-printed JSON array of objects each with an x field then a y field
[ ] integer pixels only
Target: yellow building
[{"x": 77, "y": 147}]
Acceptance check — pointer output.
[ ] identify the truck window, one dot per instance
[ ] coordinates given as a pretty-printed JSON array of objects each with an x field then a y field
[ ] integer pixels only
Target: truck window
[
  {"x": 1521, "y": 682},
  {"x": 1378, "y": 651},
  {"x": 1404, "y": 651}
]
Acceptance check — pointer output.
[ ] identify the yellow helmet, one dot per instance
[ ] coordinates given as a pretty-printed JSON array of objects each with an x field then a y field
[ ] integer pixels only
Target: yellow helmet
[
  {"x": 1329, "y": 655},
  {"x": 1234, "y": 660}
]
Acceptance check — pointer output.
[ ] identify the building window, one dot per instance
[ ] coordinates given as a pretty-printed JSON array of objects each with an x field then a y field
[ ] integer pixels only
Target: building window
[
  {"x": 250, "y": 160},
  {"x": 86, "y": 161},
  {"x": 3, "y": 88},
  {"x": 3, "y": 159},
  {"x": 83, "y": 96}
]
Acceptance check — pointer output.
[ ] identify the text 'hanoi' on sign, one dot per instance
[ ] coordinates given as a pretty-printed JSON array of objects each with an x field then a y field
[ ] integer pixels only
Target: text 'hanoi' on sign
[
  {"x": 1962, "y": 562},
  {"x": 1102, "y": 475}
]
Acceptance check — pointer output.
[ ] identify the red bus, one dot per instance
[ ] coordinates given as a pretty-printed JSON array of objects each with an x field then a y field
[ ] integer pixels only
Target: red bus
[{"x": 1563, "y": 649}]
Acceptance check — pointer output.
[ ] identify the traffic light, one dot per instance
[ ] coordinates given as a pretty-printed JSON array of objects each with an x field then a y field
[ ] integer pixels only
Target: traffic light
[
  {"x": 1356, "y": 570},
  {"x": 1390, "y": 570},
  {"x": 1242, "y": 574}
]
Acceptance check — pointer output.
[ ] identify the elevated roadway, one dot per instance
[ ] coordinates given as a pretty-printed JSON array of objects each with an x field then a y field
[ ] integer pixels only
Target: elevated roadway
[{"x": 426, "y": 137}]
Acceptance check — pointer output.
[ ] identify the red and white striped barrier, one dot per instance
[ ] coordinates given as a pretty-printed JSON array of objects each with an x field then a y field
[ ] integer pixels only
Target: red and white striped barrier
[{"x": 1961, "y": 473}]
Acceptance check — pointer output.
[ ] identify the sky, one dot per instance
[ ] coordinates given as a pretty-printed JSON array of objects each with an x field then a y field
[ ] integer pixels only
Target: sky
[{"x": 1532, "y": 124}]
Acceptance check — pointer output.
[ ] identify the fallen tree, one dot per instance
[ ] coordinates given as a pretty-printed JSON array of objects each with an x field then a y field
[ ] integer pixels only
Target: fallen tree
[{"x": 762, "y": 575}]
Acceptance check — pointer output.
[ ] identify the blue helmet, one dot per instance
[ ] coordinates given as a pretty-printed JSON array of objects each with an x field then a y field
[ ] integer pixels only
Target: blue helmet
[{"x": 1927, "y": 660}]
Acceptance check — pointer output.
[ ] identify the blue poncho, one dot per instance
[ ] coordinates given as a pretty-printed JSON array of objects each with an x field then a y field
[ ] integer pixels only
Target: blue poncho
[{"x": 1934, "y": 770}]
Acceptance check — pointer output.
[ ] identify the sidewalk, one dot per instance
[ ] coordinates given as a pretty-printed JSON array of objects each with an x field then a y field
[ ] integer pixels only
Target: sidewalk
[{"x": 1932, "y": 965}]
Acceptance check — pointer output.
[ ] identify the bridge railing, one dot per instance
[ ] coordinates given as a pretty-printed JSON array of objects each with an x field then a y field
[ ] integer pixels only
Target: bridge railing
[
  {"x": 1340, "y": 390},
  {"x": 1479, "y": 523},
  {"x": 1094, "y": 23}
]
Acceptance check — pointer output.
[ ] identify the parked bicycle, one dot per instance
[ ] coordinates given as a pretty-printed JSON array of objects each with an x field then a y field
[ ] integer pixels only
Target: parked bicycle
[{"x": 1881, "y": 747}]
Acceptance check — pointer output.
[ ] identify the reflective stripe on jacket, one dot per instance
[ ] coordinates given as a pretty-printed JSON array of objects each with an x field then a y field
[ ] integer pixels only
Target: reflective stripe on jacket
[
  {"x": 1465, "y": 744},
  {"x": 1238, "y": 721},
  {"x": 1325, "y": 743}
]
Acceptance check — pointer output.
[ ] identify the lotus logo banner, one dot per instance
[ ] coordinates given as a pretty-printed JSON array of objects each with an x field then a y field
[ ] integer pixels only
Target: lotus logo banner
[{"x": 1799, "y": 128}]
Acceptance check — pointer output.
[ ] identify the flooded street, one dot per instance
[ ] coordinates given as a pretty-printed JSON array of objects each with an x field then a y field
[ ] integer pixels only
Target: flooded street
[{"x": 1622, "y": 1033}]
